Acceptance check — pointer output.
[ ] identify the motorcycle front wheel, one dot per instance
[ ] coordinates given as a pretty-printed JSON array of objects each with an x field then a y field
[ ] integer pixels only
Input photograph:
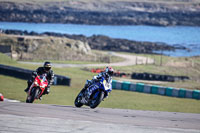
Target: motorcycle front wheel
[
  {"x": 33, "y": 95},
  {"x": 77, "y": 101}
]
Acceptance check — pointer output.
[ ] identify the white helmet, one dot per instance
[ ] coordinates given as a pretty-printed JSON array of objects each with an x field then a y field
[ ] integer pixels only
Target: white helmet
[{"x": 109, "y": 71}]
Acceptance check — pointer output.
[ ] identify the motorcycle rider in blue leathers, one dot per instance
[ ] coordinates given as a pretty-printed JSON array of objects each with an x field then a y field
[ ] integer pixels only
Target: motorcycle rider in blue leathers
[{"x": 107, "y": 74}]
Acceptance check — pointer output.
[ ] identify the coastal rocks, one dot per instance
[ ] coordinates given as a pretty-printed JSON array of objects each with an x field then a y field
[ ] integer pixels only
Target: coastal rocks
[
  {"x": 160, "y": 13},
  {"x": 105, "y": 43},
  {"x": 80, "y": 46},
  {"x": 101, "y": 42}
]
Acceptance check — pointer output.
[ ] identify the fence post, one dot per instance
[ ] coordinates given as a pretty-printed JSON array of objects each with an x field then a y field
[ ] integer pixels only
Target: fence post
[
  {"x": 146, "y": 60},
  {"x": 136, "y": 60}
]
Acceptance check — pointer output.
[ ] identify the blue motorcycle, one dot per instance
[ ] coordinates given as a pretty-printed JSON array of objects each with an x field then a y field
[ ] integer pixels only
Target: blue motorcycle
[{"x": 93, "y": 95}]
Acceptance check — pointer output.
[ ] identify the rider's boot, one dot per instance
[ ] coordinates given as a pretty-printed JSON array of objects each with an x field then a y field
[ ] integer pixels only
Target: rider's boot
[
  {"x": 26, "y": 90},
  {"x": 106, "y": 95},
  {"x": 46, "y": 91},
  {"x": 29, "y": 82},
  {"x": 40, "y": 97},
  {"x": 85, "y": 87}
]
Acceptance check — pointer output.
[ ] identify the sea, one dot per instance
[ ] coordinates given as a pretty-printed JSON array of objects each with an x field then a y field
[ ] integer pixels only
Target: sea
[{"x": 187, "y": 36}]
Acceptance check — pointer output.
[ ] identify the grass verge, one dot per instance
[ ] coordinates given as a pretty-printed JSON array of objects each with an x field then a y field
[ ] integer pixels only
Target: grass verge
[
  {"x": 176, "y": 66},
  {"x": 62, "y": 95}
]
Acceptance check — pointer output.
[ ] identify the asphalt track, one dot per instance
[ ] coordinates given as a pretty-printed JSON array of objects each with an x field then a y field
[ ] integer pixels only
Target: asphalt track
[{"x": 32, "y": 118}]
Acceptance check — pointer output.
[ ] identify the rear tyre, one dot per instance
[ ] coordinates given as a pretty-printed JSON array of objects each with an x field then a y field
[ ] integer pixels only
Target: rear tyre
[
  {"x": 34, "y": 95},
  {"x": 96, "y": 101},
  {"x": 27, "y": 101},
  {"x": 77, "y": 101}
]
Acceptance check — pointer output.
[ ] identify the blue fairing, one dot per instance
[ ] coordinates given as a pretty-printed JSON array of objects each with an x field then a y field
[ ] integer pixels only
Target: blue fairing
[{"x": 99, "y": 85}]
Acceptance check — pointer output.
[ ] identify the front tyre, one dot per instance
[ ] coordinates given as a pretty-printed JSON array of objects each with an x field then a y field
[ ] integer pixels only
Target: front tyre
[
  {"x": 77, "y": 101},
  {"x": 95, "y": 101},
  {"x": 33, "y": 95}
]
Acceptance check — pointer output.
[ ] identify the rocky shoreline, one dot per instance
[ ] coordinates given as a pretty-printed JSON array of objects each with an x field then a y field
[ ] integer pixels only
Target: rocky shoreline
[
  {"x": 100, "y": 42},
  {"x": 105, "y": 12}
]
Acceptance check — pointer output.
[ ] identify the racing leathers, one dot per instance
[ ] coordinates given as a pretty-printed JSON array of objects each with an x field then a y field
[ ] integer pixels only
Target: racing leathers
[
  {"x": 41, "y": 71},
  {"x": 97, "y": 78}
]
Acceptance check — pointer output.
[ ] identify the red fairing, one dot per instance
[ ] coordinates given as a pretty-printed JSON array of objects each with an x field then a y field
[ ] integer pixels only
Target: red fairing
[
  {"x": 1, "y": 98},
  {"x": 39, "y": 82}
]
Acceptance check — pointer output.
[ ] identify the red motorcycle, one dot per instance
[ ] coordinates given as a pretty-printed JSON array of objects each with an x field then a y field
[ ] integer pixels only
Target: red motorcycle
[{"x": 37, "y": 88}]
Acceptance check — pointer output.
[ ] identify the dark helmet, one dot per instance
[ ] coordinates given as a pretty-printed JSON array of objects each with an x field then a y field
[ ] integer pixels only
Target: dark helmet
[
  {"x": 109, "y": 71},
  {"x": 47, "y": 66}
]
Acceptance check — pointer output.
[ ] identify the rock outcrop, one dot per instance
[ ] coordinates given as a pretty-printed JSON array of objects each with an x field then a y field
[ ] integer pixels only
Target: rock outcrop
[
  {"x": 44, "y": 47},
  {"x": 100, "y": 42},
  {"x": 128, "y": 12}
]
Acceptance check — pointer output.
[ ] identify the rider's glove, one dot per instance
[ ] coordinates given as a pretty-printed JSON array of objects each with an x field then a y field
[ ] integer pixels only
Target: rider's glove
[
  {"x": 96, "y": 80},
  {"x": 34, "y": 73}
]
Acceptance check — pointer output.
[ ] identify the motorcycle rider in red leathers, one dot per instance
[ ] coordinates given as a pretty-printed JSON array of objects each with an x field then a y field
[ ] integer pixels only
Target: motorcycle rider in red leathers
[
  {"x": 45, "y": 70},
  {"x": 107, "y": 74}
]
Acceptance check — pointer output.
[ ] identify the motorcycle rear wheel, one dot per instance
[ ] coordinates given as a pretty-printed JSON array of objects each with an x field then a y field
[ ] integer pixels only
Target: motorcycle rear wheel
[{"x": 95, "y": 102}]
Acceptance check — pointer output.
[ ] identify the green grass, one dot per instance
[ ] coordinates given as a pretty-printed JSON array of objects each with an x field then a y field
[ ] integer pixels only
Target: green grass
[
  {"x": 63, "y": 95},
  {"x": 67, "y": 62},
  {"x": 176, "y": 66},
  {"x": 113, "y": 59},
  {"x": 141, "y": 101},
  {"x": 4, "y": 59},
  {"x": 192, "y": 70}
]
